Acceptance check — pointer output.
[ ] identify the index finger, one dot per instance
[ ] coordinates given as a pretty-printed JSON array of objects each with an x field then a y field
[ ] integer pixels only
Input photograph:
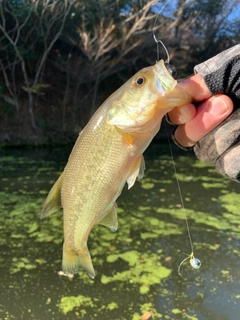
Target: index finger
[{"x": 196, "y": 87}]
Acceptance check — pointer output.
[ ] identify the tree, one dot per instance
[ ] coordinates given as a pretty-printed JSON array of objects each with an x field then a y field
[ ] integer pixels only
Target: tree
[
  {"x": 28, "y": 31},
  {"x": 60, "y": 59},
  {"x": 106, "y": 33},
  {"x": 204, "y": 29}
]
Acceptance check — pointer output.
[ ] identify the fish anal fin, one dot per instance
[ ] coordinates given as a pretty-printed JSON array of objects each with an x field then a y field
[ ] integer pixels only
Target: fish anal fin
[
  {"x": 110, "y": 220},
  {"x": 73, "y": 263},
  {"x": 53, "y": 200},
  {"x": 136, "y": 171}
]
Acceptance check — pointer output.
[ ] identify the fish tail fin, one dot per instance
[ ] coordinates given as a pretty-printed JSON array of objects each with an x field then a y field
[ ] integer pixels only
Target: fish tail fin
[{"x": 73, "y": 263}]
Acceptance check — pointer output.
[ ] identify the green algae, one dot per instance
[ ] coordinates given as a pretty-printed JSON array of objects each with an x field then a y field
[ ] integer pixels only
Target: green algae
[
  {"x": 176, "y": 311},
  {"x": 80, "y": 304},
  {"x": 147, "y": 185},
  {"x": 112, "y": 306},
  {"x": 144, "y": 269},
  {"x": 67, "y": 304},
  {"x": 231, "y": 202},
  {"x": 213, "y": 185},
  {"x": 201, "y": 164},
  {"x": 136, "y": 267},
  {"x": 227, "y": 221},
  {"x": 21, "y": 263}
]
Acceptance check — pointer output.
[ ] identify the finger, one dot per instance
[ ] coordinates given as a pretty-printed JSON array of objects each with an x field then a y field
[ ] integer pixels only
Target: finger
[
  {"x": 208, "y": 115},
  {"x": 181, "y": 115},
  {"x": 197, "y": 88}
]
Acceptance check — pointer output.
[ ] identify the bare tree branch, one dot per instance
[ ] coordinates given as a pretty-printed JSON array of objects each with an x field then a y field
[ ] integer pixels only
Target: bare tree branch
[{"x": 59, "y": 12}]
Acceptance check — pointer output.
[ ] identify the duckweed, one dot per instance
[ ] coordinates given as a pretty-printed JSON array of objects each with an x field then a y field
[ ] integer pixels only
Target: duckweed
[{"x": 136, "y": 267}]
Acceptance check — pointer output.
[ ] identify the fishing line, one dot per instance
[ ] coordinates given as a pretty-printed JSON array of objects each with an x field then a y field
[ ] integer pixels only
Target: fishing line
[
  {"x": 179, "y": 188},
  {"x": 158, "y": 41},
  {"x": 194, "y": 262}
]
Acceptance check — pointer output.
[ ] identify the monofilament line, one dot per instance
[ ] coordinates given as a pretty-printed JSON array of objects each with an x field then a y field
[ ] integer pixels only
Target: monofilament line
[
  {"x": 194, "y": 262},
  {"x": 158, "y": 40},
  {"x": 179, "y": 189}
]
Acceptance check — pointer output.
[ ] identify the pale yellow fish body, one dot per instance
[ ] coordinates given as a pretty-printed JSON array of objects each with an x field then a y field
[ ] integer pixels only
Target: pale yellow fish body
[{"x": 107, "y": 153}]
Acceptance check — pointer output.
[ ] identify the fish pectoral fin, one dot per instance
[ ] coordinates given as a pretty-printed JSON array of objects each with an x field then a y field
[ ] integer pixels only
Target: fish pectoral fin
[
  {"x": 73, "y": 263},
  {"x": 126, "y": 136},
  {"x": 137, "y": 171},
  {"x": 53, "y": 201},
  {"x": 110, "y": 220}
]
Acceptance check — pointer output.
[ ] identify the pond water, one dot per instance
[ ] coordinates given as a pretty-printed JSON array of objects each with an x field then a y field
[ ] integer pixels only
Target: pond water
[{"x": 136, "y": 267}]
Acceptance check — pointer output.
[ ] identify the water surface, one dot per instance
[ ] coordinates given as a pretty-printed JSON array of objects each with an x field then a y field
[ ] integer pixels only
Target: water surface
[{"x": 136, "y": 267}]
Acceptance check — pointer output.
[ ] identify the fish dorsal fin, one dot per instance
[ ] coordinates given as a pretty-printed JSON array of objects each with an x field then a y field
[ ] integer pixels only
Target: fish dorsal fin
[
  {"x": 110, "y": 219},
  {"x": 137, "y": 171},
  {"x": 53, "y": 201}
]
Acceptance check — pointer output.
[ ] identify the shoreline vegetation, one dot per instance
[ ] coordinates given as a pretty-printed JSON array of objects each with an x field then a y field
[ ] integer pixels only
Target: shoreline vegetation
[{"x": 61, "y": 59}]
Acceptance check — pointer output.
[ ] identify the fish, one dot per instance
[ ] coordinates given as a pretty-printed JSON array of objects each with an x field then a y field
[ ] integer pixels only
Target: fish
[{"x": 107, "y": 154}]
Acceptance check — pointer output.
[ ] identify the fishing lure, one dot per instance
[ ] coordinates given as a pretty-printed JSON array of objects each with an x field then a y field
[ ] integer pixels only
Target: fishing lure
[{"x": 194, "y": 262}]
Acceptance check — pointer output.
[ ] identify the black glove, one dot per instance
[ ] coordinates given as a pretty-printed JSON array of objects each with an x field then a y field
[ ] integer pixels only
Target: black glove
[{"x": 222, "y": 145}]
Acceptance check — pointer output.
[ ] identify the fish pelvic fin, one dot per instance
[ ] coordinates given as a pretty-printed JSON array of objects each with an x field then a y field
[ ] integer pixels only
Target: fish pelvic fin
[
  {"x": 136, "y": 171},
  {"x": 74, "y": 263},
  {"x": 53, "y": 200},
  {"x": 110, "y": 220}
]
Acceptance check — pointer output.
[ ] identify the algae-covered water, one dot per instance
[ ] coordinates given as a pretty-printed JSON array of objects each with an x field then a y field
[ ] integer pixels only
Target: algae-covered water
[{"x": 136, "y": 267}]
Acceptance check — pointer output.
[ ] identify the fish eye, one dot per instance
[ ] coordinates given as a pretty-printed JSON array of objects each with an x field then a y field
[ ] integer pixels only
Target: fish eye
[
  {"x": 140, "y": 80},
  {"x": 171, "y": 69}
]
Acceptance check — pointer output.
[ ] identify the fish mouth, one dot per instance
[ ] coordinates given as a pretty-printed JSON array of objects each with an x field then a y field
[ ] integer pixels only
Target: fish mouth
[
  {"x": 169, "y": 88},
  {"x": 164, "y": 82}
]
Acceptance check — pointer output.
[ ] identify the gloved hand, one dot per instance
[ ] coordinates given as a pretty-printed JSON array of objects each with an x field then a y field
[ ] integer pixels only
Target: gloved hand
[{"x": 222, "y": 145}]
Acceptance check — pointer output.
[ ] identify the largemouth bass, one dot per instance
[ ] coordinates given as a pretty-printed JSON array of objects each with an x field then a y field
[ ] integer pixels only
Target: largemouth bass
[{"x": 106, "y": 155}]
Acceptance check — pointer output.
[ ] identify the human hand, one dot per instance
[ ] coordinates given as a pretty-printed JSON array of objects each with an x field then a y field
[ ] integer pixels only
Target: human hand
[
  {"x": 195, "y": 123},
  {"x": 214, "y": 125}
]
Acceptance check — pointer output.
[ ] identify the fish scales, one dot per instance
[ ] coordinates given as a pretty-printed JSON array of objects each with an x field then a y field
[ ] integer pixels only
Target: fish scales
[
  {"x": 95, "y": 179},
  {"x": 107, "y": 153}
]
